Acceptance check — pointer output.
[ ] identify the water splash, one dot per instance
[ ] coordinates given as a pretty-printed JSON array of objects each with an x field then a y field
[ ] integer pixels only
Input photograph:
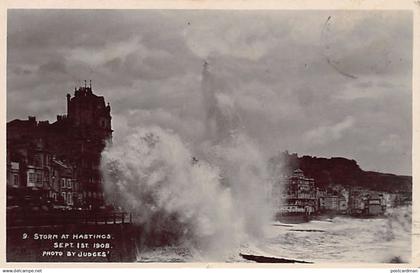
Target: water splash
[
  {"x": 209, "y": 205},
  {"x": 153, "y": 176}
]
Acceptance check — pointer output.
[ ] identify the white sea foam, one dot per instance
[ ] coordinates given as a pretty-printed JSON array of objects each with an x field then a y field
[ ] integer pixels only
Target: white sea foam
[{"x": 209, "y": 206}]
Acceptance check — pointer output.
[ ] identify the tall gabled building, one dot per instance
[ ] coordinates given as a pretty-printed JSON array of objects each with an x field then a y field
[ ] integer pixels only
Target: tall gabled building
[
  {"x": 88, "y": 122},
  {"x": 77, "y": 138}
]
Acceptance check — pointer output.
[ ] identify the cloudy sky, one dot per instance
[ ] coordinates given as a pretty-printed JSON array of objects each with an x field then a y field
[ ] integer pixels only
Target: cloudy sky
[{"x": 322, "y": 83}]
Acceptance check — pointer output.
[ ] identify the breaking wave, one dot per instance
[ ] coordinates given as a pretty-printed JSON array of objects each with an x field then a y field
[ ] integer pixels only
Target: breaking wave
[
  {"x": 210, "y": 205},
  {"x": 208, "y": 197}
]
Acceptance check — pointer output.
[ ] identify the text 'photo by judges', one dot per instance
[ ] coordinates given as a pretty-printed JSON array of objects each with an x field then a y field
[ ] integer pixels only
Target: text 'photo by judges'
[{"x": 191, "y": 136}]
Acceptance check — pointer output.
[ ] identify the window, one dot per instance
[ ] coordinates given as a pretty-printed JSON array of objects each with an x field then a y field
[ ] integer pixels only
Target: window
[
  {"x": 14, "y": 165},
  {"x": 63, "y": 194},
  {"x": 63, "y": 182},
  {"x": 69, "y": 183},
  {"x": 69, "y": 198},
  {"x": 39, "y": 178},
  {"x": 38, "y": 160},
  {"x": 16, "y": 179},
  {"x": 31, "y": 178}
]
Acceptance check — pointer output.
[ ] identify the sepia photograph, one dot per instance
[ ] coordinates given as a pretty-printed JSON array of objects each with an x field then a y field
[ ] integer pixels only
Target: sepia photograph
[{"x": 200, "y": 136}]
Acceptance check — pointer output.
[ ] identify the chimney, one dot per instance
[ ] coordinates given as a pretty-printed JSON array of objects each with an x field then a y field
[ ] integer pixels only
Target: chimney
[
  {"x": 89, "y": 89},
  {"x": 68, "y": 103}
]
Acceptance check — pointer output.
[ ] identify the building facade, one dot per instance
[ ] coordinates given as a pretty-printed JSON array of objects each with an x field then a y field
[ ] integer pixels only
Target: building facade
[
  {"x": 62, "y": 159},
  {"x": 297, "y": 194}
]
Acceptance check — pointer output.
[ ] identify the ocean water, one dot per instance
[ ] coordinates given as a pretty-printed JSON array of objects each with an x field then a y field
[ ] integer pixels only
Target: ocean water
[{"x": 336, "y": 240}]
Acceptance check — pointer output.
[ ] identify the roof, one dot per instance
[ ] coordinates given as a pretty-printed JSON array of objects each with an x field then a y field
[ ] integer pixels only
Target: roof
[{"x": 21, "y": 123}]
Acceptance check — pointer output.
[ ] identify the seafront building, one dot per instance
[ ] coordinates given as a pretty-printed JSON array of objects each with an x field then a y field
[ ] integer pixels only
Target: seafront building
[
  {"x": 297, "y": 193},
  {"x": 58, "y": 163}
]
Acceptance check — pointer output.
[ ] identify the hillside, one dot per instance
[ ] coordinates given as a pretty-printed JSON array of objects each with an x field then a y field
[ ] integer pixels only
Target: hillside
[{"x": 338, "y": 170}]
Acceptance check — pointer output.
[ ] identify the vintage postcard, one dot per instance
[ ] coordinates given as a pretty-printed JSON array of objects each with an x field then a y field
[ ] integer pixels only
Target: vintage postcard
[{"x": 209, "y": 136}]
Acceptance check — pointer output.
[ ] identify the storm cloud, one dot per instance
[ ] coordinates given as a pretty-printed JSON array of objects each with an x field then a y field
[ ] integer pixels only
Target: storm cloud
[{"x": 323, "y": 83}]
